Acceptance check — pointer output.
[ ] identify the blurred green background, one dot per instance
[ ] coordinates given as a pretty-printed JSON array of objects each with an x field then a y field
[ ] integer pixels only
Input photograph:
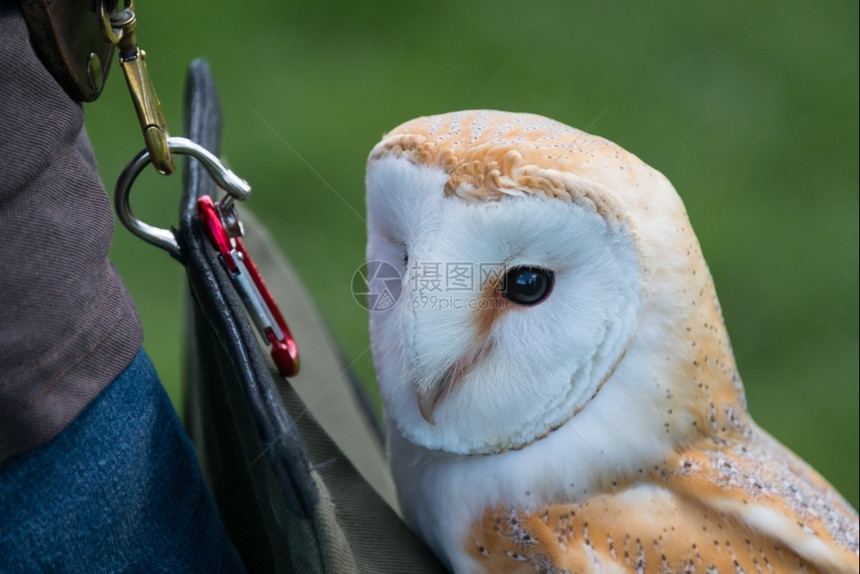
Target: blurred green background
[{"x": 750, "y": 109}]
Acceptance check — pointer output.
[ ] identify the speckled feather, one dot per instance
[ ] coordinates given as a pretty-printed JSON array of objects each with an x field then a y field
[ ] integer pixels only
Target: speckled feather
[
  {"x": 687, "y": 514},
  {"x": 724, "y": 496}
]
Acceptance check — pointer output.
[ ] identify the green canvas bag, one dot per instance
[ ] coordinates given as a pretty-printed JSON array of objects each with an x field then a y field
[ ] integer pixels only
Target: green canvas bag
[{"x": 300, "y": 479}]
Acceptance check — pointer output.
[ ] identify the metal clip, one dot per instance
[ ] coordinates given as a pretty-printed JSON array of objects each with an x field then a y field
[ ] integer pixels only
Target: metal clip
[
  {"x": 224, "y": 230},
  {"x": 235, "y": 186},
  {"x": 118, "y": 28},
  {"x": 252, "y": 290}
]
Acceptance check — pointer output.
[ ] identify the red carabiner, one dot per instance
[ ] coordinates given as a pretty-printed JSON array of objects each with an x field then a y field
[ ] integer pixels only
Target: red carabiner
[{"x": 251, "y": 288}]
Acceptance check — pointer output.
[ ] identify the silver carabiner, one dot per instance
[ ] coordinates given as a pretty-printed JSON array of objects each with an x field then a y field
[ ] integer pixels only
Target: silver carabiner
[{"x": 235, "y": 186}]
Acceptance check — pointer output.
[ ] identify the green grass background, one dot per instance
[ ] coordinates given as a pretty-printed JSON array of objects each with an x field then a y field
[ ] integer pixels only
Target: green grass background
[{"x": 750, "y": 109}]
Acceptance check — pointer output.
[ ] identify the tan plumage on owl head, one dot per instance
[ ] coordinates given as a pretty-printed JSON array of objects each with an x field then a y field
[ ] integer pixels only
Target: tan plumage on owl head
[{"x": 559, "y": 387}]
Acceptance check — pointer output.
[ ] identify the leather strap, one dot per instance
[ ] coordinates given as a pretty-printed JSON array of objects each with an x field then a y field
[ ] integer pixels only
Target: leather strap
[
  {"x": 68, "y": 38},
  {"x": 228, "y": 378}
]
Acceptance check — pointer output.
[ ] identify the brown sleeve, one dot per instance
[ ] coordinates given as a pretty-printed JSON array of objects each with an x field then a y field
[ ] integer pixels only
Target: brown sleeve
[{"x": 67, "y": 325}]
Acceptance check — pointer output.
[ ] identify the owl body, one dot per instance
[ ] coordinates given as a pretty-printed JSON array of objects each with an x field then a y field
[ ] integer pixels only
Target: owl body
[{"x": 559, "y": 387}]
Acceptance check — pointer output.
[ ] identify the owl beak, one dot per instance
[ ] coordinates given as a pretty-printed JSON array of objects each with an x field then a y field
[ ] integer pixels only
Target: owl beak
[
  {"x": 427, "y": 402},
  {"x": 429, "y": 398}
]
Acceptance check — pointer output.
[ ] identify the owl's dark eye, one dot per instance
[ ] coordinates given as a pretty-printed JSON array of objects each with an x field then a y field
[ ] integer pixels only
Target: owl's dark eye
[{"x": 527, "y": 285}]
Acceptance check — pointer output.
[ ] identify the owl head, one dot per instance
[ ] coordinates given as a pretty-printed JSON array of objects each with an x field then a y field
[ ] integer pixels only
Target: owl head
[{"x": 540, "y": 270}]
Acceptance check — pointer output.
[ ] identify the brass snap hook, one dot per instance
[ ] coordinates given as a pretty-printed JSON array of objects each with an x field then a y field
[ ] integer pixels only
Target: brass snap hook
[
  {"x": 236, "y": 188},
  {"x": 118, "y": 28}
]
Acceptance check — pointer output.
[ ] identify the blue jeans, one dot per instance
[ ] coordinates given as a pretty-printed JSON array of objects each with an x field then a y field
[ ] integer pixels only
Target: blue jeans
[{"x": 118, "y": 491}]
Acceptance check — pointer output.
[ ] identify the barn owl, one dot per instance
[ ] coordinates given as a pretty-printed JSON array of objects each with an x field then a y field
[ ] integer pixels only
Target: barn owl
[{"x": 559, "y": 388}]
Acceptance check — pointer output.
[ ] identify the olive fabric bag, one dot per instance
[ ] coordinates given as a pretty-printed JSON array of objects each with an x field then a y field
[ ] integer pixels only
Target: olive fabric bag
[{"x": 291, "y": 500}]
